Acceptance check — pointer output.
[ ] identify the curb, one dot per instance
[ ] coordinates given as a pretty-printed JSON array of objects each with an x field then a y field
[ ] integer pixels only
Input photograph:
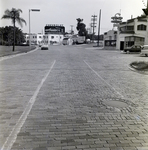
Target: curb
[
  {"x": 141, "y": 72},
  {"x": 19, "y": 54}
]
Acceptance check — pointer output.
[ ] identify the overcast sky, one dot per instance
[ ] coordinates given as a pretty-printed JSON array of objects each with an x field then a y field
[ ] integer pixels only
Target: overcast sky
[{"x": 67, "y": 11}]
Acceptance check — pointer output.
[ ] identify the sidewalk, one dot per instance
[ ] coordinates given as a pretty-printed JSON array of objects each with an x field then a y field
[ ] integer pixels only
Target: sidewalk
[{"x": 7, "y": 50}]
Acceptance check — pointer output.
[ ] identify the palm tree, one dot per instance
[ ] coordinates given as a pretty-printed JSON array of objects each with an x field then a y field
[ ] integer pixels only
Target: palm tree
[{"x": 14, "y": 15}]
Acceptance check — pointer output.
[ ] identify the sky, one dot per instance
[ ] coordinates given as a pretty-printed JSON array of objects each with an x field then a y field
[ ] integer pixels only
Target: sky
[{"x": 67, "y": 11}]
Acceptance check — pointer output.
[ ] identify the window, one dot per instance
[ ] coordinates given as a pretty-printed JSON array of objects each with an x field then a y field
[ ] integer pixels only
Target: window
[
  {"x": 141, "y": 27},
  {"x": 110, "y": 37},
  {"x": 130, "y": 28},
  {"x": 52, "y": 37}
]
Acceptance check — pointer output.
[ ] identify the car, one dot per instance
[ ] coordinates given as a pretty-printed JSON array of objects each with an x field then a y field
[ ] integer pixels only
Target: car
[
  {"x": 24, "y": 44},
  {"x": 44, "y": 47},
  {"x": 40, "y": 45},
  {"x": 65, "y": 41},
  {"x": 134, "y": 48},
  {"x": 144, "y": 50}
]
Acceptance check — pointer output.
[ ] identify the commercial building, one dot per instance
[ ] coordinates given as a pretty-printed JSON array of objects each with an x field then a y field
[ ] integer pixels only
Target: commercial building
[
  {"x": 52, "y": 34},
  {"x": 55, "y": 33},
  {"x": 132, "y": 32},
  {"x": 110, "y": 39}
]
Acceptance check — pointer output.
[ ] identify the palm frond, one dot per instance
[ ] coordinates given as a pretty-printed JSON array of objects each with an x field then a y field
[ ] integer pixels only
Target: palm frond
[
  {"x": 19, "y": 10},
  {"x": 6, "y": 17},
  {"x": 14, "y": 15},
  {"x": 20, "y": 21}
]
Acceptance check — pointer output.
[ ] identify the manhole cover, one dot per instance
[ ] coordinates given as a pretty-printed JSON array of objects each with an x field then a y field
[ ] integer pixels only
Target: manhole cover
[{"x": 114, "y": 103}]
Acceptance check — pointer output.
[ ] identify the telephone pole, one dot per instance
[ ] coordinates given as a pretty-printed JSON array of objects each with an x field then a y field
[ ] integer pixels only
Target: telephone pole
[{"x": 93, "y": 24}]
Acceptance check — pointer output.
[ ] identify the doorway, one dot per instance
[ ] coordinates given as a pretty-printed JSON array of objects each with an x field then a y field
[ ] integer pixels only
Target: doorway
[{"x": 121, "y": 45}]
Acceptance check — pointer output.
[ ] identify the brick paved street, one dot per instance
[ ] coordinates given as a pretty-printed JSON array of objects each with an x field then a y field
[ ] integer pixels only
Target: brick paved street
[{"x": 73, "y": 98}]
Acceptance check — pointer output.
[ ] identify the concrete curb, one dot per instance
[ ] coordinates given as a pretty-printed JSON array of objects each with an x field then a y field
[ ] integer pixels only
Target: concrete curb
[
  {"x": 138, "y": 71},
  {"x": 19, "y": 54}
]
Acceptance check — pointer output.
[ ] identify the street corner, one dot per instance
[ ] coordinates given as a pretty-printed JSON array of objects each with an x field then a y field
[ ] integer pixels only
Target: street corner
[{"x": 139, "y": 67}]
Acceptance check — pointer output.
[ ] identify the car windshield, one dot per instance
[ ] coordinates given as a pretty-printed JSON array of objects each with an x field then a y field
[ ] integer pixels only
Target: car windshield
[{"x": 65, "y": 39}]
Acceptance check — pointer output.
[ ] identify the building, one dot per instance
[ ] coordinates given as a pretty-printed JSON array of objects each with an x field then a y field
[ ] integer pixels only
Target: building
[
  {"x": 32, "y": 38},
  {"x": 110, "y": 39},
  {"x": 53, "y": 34},
  {"x": 132, "y": 32}
]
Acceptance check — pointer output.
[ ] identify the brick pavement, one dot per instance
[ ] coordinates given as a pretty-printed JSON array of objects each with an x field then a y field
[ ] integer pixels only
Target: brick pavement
[{"x": 71, "y": 110}]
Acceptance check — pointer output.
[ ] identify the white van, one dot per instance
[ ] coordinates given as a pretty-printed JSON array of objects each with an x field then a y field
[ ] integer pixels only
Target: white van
[{"x": 144, "y": 50}]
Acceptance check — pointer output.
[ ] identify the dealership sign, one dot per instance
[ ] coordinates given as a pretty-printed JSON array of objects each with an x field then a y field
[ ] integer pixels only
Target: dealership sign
[{"x": 54, "y": 29}]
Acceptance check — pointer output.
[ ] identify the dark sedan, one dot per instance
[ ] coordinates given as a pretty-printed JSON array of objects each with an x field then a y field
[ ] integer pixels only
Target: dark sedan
[{"x": 134, "y": 48}]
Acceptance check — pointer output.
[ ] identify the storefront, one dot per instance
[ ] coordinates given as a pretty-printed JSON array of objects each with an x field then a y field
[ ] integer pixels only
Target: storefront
[{"x": 133, "y": 40}]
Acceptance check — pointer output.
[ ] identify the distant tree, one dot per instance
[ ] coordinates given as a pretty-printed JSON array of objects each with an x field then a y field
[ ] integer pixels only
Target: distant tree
[
  {"x": 1, "y": 35},
  {"x": 14, "y": 15},
  {"x": 6, "y": 37},
  {"x": 81, "y": 27}
]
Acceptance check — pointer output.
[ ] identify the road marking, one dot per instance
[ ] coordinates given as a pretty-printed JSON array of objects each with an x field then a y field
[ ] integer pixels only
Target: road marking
[
  {"x": 13, "y": 135},
  {"x": 103, "y": 79}
]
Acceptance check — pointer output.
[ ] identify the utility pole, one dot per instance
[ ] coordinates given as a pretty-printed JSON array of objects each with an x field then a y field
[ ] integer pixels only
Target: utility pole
[{"x": 93, "y": 24}]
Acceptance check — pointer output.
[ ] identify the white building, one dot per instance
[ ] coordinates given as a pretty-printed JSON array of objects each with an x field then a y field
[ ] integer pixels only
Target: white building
[
  {"x": 110, "y": 39},
  {"x": 55, "y": 38},
  {"x": 133, "y": 31},
  {"x": 53, "y": 34},
  {"x": 32, "y": 38}
]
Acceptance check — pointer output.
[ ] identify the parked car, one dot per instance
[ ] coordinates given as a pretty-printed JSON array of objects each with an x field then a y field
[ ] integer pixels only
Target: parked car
[
  {"x": 65, "y": 41},
  {"x": 40, "y": 45},
  {"x": 24, "y": 44},
  {"x": 134, "y": 48},
  {"x": 144, "y": 50},
  {"x": 44, "y": 47}
]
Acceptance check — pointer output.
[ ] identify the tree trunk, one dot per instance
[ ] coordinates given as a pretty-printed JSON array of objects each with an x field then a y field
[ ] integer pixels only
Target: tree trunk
[{"x": 13, "y": 38}]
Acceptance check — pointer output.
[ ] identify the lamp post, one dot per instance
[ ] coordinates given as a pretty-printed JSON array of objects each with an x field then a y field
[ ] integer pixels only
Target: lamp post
[
  {"x": 99, "y": 27},
  {"x": 29, "y": 25}
]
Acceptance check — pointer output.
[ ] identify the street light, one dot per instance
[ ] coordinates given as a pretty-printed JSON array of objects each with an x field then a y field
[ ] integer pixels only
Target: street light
[
  {"x": 99, "y": 27},
  {"x": 29, "y": 25}
]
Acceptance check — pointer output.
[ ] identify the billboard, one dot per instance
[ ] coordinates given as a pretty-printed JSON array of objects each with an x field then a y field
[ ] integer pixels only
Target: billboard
[{"x": 54, "y": 29}]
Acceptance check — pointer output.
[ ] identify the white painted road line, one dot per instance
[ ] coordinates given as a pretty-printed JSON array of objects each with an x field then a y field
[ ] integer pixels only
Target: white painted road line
[
  {"x": 13, "y": 135},
  {"x": 103, "y": 79}
]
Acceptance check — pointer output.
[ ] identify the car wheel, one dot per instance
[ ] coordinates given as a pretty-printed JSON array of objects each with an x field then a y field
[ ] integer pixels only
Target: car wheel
[{"x": 146, "y": 55}]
